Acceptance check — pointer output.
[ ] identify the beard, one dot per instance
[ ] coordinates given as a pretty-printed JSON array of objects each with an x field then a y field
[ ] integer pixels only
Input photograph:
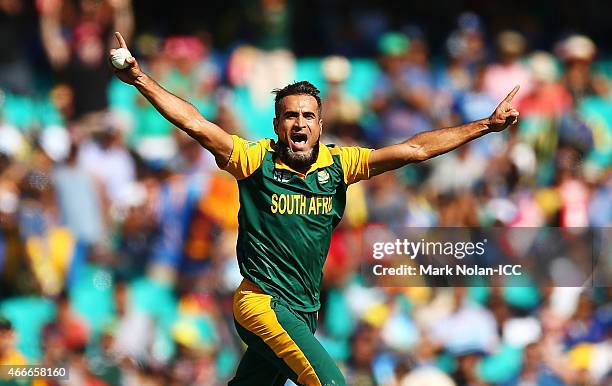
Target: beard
[{"x": 294, "y": 160}]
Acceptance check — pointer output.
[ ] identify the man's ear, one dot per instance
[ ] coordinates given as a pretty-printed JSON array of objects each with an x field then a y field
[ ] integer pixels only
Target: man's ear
[
  {"x": 321, "y": 126},
  {"x": 275, "y": 124}
]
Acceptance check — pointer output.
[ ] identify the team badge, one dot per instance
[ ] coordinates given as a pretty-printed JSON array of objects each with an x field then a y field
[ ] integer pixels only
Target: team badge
[{"x": 323, "y": 176}]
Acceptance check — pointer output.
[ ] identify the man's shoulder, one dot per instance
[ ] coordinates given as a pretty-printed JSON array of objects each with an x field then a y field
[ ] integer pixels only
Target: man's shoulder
[
  {"x": 334, "y": 149},
  {"x": 260, "y": 145},
  {"x": 247, "y": 156},
  {"x": 262, "y": 141},
  {"x": 342, "y": 150}
]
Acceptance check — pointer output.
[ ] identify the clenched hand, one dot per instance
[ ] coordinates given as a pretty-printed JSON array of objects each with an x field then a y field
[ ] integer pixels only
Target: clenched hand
[
  {"x": 505, "y": 114},
  {"x": 132, "y": 72}
]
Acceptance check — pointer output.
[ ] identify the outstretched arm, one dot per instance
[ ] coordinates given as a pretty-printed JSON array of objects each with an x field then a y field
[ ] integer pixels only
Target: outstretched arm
[
  {"x": 55, "y": 45},
  {"x": 427, "y": 145},
  {"x": 123, "y": 18},
  {"x": 180, "y": 113}
]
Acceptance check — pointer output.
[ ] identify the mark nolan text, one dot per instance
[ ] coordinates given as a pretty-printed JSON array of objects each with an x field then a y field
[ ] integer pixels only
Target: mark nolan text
[{"x": 448, "y": 270}]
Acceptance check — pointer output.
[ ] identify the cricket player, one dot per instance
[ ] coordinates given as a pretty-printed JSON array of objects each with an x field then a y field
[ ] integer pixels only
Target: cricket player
[{"x": 292, "y": 196}]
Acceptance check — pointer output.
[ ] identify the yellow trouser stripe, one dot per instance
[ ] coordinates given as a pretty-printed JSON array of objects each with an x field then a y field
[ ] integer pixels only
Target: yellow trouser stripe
[{"x": 252, "y": 311}]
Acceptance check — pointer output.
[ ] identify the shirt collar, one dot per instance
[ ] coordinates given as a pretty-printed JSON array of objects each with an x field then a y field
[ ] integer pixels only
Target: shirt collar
[{"x": 324, "y": 159}]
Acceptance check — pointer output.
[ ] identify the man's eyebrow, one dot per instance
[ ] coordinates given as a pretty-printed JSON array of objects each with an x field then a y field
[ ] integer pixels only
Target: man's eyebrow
[{"x": 296, "y": 112}]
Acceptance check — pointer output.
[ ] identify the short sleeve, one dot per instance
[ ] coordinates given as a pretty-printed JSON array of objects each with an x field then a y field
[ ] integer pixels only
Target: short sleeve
[
  {"x": 355, "y": 163},
  {"x": 246, "y": 157}
]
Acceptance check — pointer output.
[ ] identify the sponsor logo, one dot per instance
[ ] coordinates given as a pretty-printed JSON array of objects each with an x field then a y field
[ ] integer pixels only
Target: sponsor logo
[{"x": 282, "y": 175}]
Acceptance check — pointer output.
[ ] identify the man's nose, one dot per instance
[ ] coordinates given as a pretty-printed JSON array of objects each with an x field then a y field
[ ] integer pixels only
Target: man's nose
[{"x": 300, "y": 121}]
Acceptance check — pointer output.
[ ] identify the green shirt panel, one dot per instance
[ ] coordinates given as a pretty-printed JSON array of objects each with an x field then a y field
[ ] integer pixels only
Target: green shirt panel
[{"x": 285, "y": 228}]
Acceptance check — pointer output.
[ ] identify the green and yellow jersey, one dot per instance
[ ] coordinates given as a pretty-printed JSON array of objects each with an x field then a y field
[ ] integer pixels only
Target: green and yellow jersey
[{"x": 286, "y": 218}]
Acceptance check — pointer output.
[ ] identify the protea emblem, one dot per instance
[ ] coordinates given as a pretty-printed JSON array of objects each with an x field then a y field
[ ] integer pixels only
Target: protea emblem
[{"x": 323, "y": 176}]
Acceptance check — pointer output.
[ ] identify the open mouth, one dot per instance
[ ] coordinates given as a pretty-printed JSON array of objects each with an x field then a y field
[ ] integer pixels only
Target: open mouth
[{"x": 297, "y": 141}]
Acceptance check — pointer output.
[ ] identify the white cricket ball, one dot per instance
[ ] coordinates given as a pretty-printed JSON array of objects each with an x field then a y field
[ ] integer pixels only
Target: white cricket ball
[{"x": 119, "y": 58}]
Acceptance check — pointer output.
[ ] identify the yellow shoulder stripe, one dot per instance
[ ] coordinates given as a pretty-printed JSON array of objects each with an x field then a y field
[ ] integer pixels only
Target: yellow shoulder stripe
[
  {"x": 354, "y": 162},
  {"x": 246, "y": 157},
  {"x": 334, "y": 150}
]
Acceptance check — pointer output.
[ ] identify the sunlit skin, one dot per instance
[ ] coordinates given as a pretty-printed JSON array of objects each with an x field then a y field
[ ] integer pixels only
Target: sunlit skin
[{"x": 298, "y": 124}]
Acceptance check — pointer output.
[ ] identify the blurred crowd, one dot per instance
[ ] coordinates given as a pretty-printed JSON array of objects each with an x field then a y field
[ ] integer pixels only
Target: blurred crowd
[{"x": 118, "y": 232}]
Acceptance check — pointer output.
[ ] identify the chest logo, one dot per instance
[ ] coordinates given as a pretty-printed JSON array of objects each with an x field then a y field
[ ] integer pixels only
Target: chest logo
[
  {"x": 282, "y": 175},
  {"x": 323, "y": 176}
]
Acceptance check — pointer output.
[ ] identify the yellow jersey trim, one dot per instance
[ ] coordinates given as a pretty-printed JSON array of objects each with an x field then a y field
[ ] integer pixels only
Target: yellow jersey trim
[
  {"x": 246, "y": 157},
  {"x": 355, "y": 162}
]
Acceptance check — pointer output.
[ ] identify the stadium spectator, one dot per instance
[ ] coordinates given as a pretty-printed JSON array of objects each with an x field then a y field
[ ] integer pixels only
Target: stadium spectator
[
  {"x": 401, "y": 96},
  {"x": 15, "y": 69},
  {"x": 499, "y": 76},
  {"x": 9, "y": 355},
  {"x": 79, "y": 56}
]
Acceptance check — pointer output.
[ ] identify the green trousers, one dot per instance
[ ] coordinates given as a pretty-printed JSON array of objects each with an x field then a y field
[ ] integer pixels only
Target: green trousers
[{"x": 281, "y": 344}]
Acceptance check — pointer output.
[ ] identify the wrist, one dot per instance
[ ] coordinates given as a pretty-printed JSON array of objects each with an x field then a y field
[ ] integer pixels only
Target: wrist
[
  {"x": 141, "y": 81},
  {"x": 487, "y": 125}
]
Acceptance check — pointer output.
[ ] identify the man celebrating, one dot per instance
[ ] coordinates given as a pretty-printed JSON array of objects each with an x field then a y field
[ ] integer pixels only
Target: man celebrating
[{"x": 292, "y": 196}]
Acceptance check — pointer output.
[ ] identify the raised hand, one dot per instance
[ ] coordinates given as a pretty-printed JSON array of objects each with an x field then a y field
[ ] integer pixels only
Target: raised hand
[
  {"x": 119, "y": 4},
  {"x": 49, "y": 7},
  {"x": 132, "y": 72},
  {"x": 505, "y": 114}
]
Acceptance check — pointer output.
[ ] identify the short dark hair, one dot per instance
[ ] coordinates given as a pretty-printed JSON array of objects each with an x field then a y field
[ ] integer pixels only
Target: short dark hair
[{"x": 298, "y": 88}]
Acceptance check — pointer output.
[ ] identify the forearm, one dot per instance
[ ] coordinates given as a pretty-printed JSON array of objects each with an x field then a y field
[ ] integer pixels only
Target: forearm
[
  {"x": 433, "y": 143},
  {"x": 425, "y": 145},
  {"x": 179, "y": 112},
  {"x": 55, "y": 47},
  {"x": 186, "y": 117}
]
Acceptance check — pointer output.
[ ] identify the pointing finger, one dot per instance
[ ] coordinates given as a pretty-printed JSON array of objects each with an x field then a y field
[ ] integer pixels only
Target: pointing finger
[
  {"x": 512, "y": 93},
  {"x": 120, "y": 40}
]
